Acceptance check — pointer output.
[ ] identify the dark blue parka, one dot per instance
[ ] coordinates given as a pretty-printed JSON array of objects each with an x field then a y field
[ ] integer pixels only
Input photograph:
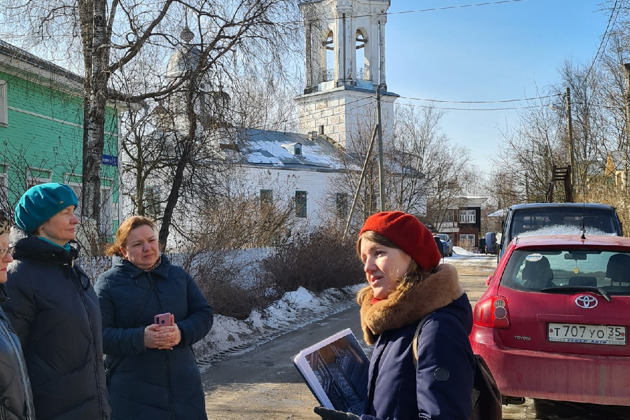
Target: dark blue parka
[
  {"x": 15, "y": 388},
  {"x": 147, "y": 383},
  {"x": 440, "y": 386},
  {"x": 55, "y": 313}
]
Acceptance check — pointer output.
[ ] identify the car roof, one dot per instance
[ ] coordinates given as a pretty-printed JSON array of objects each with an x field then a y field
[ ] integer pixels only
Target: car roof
[
  {"x": 571, "y": 240},
  {"x": 548, "y": 205}
]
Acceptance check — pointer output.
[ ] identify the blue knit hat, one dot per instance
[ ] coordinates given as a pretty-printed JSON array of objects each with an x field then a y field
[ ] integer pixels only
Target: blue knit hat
[{"x": 41, "y": 202}]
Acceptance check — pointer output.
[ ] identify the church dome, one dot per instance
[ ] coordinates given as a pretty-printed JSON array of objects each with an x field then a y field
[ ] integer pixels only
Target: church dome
[{"x": 186, "y": 58}]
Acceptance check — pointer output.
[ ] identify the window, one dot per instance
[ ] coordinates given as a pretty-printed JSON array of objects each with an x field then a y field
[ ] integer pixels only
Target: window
[
  {"x": 329, "y": 48},
  {"x": 341, "y": 201},
  {"x": 106, "y": 211},
  {"x": 36, "y": 176},
  {"x": 4, "y": 119},
  {"x": 467, "y": 240},
  {"x": 362, "y": 63},
  {"x": 266, "y": 198},
  {"x": 4, "y": 199},
  {"x": 449, "y": 216},
  {"x": 467, "y": 216},
  {"x": 300, "y": 203}
]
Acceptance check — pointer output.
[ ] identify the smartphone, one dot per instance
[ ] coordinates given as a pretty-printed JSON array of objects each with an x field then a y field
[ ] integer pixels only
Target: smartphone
[{"x": 164, "y": 319}]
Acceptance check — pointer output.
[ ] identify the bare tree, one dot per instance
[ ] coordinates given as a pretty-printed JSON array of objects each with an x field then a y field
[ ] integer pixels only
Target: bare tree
[
  {"x": 432, "y": 167},
  {"x": 113, "y": 36}
]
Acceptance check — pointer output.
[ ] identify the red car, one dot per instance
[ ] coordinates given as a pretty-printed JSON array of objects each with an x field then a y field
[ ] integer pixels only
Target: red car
[{"x": 553, "y": 323}]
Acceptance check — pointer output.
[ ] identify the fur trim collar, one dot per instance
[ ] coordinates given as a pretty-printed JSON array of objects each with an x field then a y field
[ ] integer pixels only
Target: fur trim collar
[{"x": 436, "y": 291}]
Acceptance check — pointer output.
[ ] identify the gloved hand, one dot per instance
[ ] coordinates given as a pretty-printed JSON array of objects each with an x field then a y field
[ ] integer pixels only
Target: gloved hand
[{"x": 328, "y": 414}]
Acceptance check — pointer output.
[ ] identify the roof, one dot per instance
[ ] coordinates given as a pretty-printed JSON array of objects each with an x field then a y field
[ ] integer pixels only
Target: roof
[
  {"x": 18, "y": 58},
  {"x": 278, "y": 149},
  {"x": 571, "y": 240},
  {"x": 571, "y": 205}
]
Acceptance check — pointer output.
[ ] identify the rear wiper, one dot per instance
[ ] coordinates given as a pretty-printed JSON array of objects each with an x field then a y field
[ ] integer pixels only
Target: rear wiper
[{"x": 593, "y": 289}]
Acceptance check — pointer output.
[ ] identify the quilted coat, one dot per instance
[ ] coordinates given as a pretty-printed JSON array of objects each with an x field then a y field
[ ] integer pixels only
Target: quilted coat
[
  {"x": 440, "y": 387},
  {"x": 15, "y": 387},
  {"x": 146, "y": 383},
  {"x": 55, "y": 313}
]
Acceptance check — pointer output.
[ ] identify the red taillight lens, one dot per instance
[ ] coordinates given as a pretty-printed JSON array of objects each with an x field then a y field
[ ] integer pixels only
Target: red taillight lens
[{"x": 492, "y": 312}]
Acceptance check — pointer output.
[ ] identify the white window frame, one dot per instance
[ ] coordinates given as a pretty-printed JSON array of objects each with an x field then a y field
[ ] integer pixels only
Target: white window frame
[
  {"x": 4, "y": 115},
  {"x": 32, "y": 179},
  {"x": 467, "y": 239},
  {"x": 467, "y": 216},
  {"x": 4, "y": 185},
  {"x": 107, "y": 208}
]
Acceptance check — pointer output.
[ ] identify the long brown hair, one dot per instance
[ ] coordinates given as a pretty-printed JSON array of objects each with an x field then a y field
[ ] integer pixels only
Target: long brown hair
[
  {"x": 123, "y": 233},
  {"x": 414, "y": 273}
]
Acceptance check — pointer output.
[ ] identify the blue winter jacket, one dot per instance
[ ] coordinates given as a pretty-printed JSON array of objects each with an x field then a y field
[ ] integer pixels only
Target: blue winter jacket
[
  {"x": 440, "y": 387},
  {"x": 55, "y": 313},
  {"x": 147, "y": 383}
]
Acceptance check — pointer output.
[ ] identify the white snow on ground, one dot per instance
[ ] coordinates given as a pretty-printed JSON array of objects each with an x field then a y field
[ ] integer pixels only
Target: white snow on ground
[{"x": 295, "y": 309}]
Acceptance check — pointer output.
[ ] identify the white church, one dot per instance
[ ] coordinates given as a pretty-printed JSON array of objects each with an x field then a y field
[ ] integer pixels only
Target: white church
[{"x": 345, "y": 69}]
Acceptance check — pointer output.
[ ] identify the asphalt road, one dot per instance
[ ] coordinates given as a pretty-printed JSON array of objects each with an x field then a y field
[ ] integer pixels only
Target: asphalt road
[{"x": 262, "y": 383}]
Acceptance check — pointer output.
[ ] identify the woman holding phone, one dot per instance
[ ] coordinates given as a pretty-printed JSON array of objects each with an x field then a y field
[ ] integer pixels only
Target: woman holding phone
[{"x": 153, "y": 312}]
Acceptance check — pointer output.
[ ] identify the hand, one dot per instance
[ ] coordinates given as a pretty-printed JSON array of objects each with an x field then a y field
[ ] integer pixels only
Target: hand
[
  {"x": 328, "y": 414},
  {"x": 161, "y": 337},
  {"x": 172, "y": 337}
]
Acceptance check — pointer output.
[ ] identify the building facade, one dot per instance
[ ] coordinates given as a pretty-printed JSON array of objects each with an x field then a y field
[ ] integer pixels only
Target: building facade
[{"x": 41, "y": 132}]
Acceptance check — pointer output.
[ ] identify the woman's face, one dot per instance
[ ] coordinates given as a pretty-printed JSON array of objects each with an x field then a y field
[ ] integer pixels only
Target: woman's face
[
  {"x": 141, "y": 248},
  {"x": 6, "y": 256},
  {"x": 60, "y": 228},
  {"x": 383, "y": 266}
]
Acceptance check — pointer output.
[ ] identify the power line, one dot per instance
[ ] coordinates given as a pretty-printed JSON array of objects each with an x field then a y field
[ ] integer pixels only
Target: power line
[
  {"x": 606, "y": 36},
  {"x": 481, "y": 102}
]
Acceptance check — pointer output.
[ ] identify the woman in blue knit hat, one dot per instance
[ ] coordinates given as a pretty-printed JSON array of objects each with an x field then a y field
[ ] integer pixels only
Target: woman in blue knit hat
[{"x": 54, "y": 309}]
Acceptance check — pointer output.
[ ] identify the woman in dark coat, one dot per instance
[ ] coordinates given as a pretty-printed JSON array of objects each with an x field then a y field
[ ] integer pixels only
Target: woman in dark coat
[
  {"x": 15, "y": 387},
  {"x": 152, "y": 372},
  {"x": 407, "y": 286},
  {"x": 54, "y": 310}
]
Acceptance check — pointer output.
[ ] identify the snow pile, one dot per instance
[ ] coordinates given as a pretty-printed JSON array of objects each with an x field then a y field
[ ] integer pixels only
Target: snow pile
[
  {"x": 230, "y": 336},
  {"x": 295, "y": 309}
]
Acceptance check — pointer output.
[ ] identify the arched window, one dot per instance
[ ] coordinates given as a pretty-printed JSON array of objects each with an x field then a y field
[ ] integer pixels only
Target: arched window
[
  {"x": 329, "y": 48},
  {"x": 363, "y": 71}
]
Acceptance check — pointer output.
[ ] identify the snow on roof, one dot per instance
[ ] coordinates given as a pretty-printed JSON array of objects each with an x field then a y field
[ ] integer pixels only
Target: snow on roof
[{"x": 269, "y": 148}]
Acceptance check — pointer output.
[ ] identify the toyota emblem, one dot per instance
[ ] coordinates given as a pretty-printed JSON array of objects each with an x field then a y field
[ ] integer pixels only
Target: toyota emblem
[{"x": 586, "y": 301}]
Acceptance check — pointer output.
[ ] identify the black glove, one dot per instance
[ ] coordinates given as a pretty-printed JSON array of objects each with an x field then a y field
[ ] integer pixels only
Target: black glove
[{"x": 328, "y": 414}]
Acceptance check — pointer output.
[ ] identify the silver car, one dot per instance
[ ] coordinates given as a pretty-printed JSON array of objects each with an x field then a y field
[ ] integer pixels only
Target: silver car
[{"x": 447, "y": 244}]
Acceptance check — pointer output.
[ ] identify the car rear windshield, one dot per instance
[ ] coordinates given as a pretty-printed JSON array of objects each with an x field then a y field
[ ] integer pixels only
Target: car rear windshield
[
  {"x": 563, "y": 220},
  {"x": 558, "y": 270}
]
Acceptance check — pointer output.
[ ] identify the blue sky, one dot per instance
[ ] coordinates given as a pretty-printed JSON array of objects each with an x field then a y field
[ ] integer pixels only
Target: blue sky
[{"x": 494, "y": 52}]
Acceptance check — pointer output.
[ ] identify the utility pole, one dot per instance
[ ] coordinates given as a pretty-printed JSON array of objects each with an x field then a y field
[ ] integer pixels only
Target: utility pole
[
  {"x": 570, "y": 134},
  {"x": 381, "y": 181},
  {"x": 626, "y": 143}
]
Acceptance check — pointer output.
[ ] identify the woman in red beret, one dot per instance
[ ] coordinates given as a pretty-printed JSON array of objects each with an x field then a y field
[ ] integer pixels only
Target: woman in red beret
[{"x": 409, "y": 288}]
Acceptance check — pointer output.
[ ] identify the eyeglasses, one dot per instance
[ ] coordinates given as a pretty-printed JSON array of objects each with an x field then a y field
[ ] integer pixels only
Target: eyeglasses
[{"x": 5, "y": 251}]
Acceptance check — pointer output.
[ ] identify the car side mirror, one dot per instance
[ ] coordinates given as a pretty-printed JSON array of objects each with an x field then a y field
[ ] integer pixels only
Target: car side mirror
[{"x": 488, "y": 280}]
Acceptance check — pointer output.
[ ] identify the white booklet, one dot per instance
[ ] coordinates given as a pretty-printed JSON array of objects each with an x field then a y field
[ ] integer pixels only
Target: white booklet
[{"x": 336, "y": 371}]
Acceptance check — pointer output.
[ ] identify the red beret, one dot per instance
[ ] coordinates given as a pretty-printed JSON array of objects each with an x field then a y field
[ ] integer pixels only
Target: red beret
[{"x": 408, "y": 233}]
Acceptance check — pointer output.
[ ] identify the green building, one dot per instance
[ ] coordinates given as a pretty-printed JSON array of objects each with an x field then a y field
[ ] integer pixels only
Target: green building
[{"x": 41, "y": 133}]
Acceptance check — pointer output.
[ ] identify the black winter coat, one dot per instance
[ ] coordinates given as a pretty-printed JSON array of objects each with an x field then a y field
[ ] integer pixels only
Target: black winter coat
[
  {"x": 15, "y": 388},
  {"x": 149, "y": 383},
  {"x": 440, "y": 386},
  {"x": 55, "y": 313}
]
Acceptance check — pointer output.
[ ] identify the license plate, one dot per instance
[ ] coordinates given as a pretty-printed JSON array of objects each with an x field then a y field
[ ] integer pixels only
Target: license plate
[{"x": 614, "y": 335}]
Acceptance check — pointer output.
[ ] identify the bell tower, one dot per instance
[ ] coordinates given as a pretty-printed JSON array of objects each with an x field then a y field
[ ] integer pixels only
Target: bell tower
[{"x": 344, "y": 67}]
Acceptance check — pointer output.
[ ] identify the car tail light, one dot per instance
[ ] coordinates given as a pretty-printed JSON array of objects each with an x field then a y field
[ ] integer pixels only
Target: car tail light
[{"x": 492, "y": 312}]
